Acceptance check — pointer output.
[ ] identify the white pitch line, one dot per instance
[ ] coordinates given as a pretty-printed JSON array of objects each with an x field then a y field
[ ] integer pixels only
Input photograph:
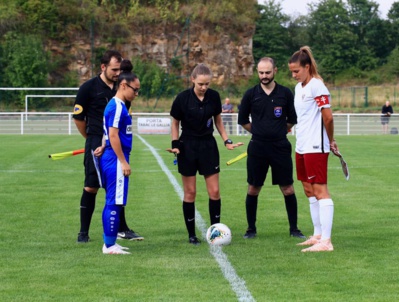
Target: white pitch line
[{"x": 236, "y": 283}]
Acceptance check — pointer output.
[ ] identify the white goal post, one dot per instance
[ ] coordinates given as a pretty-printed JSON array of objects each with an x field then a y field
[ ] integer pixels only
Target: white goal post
[
  {"x": 41, "y": 95},
  {"x": 44, "y": 96}
]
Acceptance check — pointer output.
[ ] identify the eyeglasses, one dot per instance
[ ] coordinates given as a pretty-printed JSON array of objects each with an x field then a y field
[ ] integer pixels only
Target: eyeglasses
[{"x": 136, "y": 90}]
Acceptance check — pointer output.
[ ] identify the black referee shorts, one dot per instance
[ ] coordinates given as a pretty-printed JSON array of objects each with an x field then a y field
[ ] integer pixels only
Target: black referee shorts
[
  {"x": 277, "y": 155},
  {"x": 198, "y": 154},
  {"x": 91, "y": 177}
]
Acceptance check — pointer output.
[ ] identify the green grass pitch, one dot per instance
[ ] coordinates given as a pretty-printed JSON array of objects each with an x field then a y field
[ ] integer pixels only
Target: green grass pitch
[{"x": 41, "y": 261}]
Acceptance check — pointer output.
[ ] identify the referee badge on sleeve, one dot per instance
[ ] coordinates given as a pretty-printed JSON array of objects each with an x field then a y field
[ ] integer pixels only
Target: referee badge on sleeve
[
  {"x": 77, "y": 109},
  {"x": 278, "y": 111}
]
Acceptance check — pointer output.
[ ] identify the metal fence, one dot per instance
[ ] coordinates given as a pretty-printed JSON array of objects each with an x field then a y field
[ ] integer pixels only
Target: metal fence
[{"x": 62, "y": 123}]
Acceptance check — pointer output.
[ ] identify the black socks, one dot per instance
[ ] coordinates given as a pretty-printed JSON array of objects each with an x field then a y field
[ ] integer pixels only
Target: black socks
[
  {"x": 251, "y": 204},
  {"x": 87, "y": 205},
  {"x": 292, "y": 211},
  {"x": 122, "y": 221},
  {"x": 214, "y": 210},
  {"x": 189, "y": 217}
]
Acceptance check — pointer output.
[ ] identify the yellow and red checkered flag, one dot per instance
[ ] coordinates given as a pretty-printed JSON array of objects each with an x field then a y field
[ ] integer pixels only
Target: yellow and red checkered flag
[{"x": 63, "y": 155}]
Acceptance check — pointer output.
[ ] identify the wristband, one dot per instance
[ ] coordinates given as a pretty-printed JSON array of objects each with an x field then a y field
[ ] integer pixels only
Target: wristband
[
  {"x": 175, "y": 144},
  {"x": 228, "y": 141}
]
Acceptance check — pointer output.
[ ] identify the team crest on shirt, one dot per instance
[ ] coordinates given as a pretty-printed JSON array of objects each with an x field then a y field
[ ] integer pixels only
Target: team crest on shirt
[
  {"x": 322, "y": 100},
  {"x": 129, "y": 129},
  {"x": 278, "y": 111},
  {"x": 77, "y": 109}
]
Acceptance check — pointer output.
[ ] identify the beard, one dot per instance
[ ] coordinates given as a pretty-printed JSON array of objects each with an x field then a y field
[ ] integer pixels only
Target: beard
[
  {"x": 267, "y": 81},
  {"x": 110, "y": 78}
]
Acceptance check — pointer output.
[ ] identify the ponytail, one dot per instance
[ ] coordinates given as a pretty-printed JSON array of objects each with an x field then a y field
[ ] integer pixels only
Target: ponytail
[
  {"x": 305, "y": 57},
  {"x": 126, "y": 72}
]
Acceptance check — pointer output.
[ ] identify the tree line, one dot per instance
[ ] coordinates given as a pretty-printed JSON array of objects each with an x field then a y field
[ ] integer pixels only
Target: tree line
[{"x": 350, "y": 39}]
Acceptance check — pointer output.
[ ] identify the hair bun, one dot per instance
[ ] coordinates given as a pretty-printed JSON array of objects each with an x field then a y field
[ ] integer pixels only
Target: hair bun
[{"x": 126, "y": 66}]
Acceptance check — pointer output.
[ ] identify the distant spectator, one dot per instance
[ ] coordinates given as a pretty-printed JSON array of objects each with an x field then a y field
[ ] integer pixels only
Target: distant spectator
[
  {"x": 386, "y": 114},
  {"x": 241, "y": 130},
  {"x": 227, "y": 107}
]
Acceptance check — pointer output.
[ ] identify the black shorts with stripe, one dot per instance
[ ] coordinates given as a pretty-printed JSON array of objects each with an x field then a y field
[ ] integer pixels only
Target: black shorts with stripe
[
  {"x": 198, "y": 154},
  {"x": 91, "y": 176}
]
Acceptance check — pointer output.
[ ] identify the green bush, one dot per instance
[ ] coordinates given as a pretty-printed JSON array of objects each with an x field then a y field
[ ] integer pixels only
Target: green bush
[
  {"x": 393, "y": 61},
  {"x": 25, "y": 62}
]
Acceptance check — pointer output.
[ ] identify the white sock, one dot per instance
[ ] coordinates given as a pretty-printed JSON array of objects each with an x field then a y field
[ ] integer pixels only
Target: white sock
[
  {"x": 326, "y": 217},
  {"x": 315, "y": 215}
]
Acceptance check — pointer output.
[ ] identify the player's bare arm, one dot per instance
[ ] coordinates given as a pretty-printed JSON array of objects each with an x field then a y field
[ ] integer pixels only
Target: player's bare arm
[
  {"x": 328, "y": 121},
  {"x": 116, "y": 146},
  {"x": 219, "y": 126},
  {"x": 174, "y": 136},
  {"x": 247, "y": 127},
  {"x": 81, "y": 125},
  {"x": 100, "y": 150}
]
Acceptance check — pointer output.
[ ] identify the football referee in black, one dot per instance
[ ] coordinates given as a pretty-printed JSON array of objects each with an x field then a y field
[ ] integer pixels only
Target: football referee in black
[
  {"x": 198, "y": 111},
  {"x": 271, "y": 109}
]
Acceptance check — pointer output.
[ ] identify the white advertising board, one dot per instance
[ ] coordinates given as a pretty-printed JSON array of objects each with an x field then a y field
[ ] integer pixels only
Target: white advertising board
[{"x": 153, "y": 125}]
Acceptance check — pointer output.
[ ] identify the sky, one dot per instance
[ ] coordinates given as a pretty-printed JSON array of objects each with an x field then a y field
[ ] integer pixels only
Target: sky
[{"x": 294, "y": 7}]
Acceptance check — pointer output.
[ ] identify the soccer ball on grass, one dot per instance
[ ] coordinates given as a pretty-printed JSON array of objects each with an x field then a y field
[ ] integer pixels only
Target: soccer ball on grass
[{"x": 218, "y": 234}]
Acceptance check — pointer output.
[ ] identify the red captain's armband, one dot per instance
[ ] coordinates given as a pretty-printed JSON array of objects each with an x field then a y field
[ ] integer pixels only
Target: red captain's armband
[{"x": 322, "y": 100}]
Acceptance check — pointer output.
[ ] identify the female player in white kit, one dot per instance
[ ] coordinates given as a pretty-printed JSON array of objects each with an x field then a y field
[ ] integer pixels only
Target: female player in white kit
[
  {"x": 114, "y": 162},
  {"x": 314, "y": 140}
]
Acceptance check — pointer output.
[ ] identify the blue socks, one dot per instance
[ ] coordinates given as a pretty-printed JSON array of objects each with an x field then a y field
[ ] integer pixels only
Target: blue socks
[{"x": 111, "y": 224}]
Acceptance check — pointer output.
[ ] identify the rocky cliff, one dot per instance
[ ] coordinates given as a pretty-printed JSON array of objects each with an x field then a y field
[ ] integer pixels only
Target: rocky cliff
[{"x": 228, "y": 54}]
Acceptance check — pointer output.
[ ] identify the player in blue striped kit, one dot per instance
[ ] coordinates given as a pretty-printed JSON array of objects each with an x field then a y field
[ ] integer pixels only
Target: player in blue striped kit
[{"x": 114, "y": 162}]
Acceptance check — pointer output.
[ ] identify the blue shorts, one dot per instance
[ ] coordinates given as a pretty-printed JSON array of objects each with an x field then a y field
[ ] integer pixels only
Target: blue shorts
[{"x": 114, "y": 182}]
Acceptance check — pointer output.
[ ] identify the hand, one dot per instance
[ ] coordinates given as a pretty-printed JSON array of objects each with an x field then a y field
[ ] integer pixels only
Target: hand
[
  {"x": 126, "y": 169},
  {"x": 174, "y": 150},
  {"x": 334, "y": 148},
  {"x": 232, "y": 146},
  {"x": 99, "y": 151}
]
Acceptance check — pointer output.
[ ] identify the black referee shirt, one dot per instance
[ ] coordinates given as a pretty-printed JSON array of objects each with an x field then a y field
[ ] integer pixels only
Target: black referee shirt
[
  {"x": 91, "y": 100},
  {"x": 269, "y": 113},
  {"x": 196, "y": 116}
]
